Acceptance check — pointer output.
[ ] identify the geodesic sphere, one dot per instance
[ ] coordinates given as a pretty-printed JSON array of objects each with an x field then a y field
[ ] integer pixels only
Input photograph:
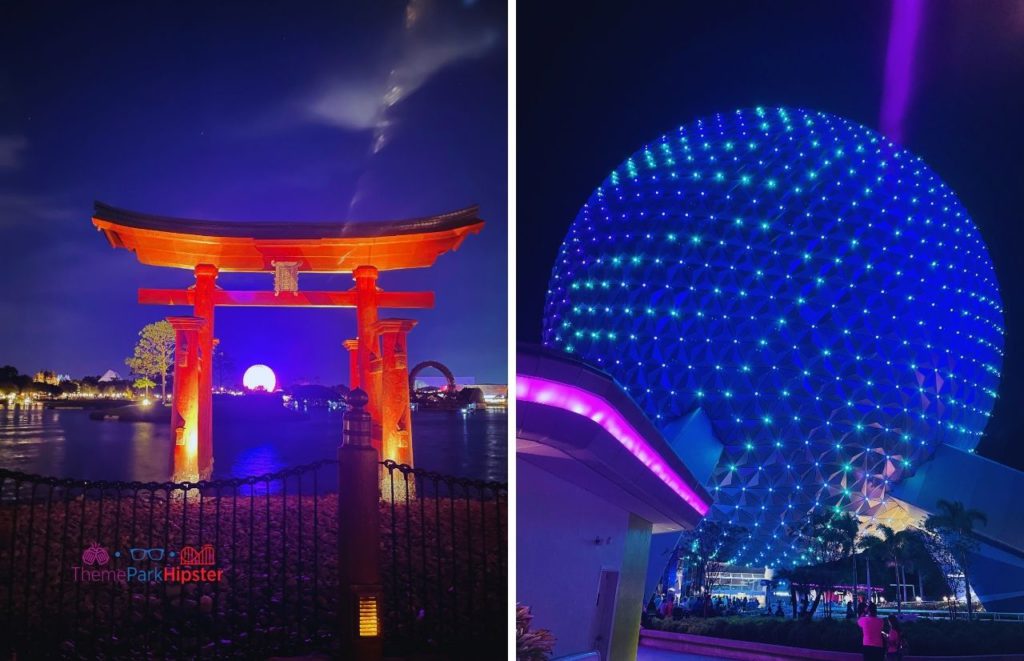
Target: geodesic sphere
[{"x": 817, "y": 290}]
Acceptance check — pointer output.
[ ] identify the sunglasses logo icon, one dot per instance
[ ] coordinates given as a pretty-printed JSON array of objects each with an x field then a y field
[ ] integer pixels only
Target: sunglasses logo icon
[{"x": 142, "y": 553}]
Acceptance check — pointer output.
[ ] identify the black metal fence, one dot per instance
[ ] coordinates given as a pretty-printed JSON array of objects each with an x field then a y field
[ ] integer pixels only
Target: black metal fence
[
  {"x": 93, "y": 569},
  {"x": 87, "y": 569},
  {"x": 444, "y": 545}
]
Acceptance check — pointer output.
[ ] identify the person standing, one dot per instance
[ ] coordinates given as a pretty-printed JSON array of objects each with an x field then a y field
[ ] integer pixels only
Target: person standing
[
  {"x": 667, "y": 604},
  {"x": 872, "y": 639},
  {"x": 894, "y": 643}
]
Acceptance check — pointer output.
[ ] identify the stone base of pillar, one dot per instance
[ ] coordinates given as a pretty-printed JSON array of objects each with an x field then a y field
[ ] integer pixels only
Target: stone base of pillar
[{"x": 396, "y": 486}]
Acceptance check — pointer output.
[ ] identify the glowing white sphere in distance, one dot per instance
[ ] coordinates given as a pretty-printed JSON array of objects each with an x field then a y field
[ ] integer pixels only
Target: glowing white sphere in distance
[{"x": 259, "y": 377}]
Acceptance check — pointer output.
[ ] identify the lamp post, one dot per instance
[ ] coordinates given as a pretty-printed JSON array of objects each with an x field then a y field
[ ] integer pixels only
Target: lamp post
[{"x": 359, "y": 536}]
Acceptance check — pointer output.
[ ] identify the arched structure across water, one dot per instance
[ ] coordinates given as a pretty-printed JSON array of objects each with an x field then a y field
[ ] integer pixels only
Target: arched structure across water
[{"x": 451, "y": 388}]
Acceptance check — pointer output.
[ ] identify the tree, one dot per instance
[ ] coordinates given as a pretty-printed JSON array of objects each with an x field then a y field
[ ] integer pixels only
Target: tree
[
  {"x": 892, "y": 546},
  {"x": 154, "y": 353},
  {"x": 829, "y": 537},
  {"x": 144, "y": 383},
  {"x": 222, "y": 364},
  {"x": 706, "y": 551},
  {"x": 12, "y": 381},
  {"x": 917, "y": 559},
  {"x": 952, "y": 526},
  {"x": 801, "y": 581}
]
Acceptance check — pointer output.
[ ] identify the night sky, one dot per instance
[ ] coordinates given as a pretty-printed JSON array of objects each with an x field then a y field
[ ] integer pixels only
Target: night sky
[
  {"x": 247, "y": 111},
  {"x": 595, "y": 84}
]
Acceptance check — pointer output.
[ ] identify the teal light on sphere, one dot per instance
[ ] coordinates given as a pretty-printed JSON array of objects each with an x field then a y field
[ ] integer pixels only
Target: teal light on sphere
[{"x": 815, "y": 289}]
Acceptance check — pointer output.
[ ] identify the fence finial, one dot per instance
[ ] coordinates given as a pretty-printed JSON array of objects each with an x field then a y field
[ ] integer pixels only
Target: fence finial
[{"x": 356, "y": 426}]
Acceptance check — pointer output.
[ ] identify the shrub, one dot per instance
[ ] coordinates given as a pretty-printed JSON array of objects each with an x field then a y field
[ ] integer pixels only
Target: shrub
[
  {"x": 533, "y": 645},
  {"x": 925, "y": 637}
]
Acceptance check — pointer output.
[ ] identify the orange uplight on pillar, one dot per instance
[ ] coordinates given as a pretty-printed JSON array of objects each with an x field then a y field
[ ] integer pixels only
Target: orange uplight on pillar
[
  {"x": 206, "y": 277},
  {"x": 352, "y": 346},
  {"x": 369, "y": 346},
  {"x": 185, "y": 400},
  {"x": 376, "y": 383},
  {"x": 396, "y": 415}
]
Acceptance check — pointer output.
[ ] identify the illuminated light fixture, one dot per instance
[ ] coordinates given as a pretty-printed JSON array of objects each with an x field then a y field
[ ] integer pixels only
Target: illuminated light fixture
[
  {"x": 581, "y": 402},
  {"x": 856, "y": 309},
  {"x": 259, "y": 377},
  {"x": 369, "y": 615}
]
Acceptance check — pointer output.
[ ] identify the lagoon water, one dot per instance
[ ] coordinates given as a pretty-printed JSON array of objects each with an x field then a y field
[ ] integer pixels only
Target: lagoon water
[{"x": 66, "y": 443}]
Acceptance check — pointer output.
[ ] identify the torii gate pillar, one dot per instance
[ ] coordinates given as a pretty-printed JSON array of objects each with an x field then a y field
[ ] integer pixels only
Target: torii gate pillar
[
  {"x": 367, "y": 303},
  {"x": 396, "y": 417},
  {"x": 185, "y": 401},
  {"x": 206, "y": 278}
]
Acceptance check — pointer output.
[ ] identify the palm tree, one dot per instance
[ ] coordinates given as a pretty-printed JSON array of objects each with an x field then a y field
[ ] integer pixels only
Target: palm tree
[
  {"x": 916, "y": 558},
  {"x": 891, "y": 545},
  {"x": 830, "y": 537},
  {"x": 871, "y": 547},
  {"x": 954, "y": 523},
  {"x": 893, "y": 548}
]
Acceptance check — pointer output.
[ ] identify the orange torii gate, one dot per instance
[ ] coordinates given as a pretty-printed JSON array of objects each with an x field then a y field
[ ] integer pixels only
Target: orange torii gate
[{"x": 378, "y": 354}]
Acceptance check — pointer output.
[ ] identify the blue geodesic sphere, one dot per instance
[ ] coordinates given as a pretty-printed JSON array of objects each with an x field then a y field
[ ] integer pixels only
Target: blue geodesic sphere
[{"x": 815, "y": 289}]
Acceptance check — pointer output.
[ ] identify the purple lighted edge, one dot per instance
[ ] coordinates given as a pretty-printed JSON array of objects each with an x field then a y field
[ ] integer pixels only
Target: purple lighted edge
[{"x": 581, "y": 402}]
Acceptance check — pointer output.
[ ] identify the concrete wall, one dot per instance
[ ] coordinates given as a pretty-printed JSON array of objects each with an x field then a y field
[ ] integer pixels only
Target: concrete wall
[
  {"x": 980, "y": 483},
  {"x": 559, "y": 559},
  {"x": 724, "y": 648}
]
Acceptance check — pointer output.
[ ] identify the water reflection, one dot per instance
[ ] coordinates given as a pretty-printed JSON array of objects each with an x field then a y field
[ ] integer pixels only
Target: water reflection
[
  {"x": 257, "y": 461},
  {"x": 149, "y": 454},
  {"x": 67, "y": 443}
]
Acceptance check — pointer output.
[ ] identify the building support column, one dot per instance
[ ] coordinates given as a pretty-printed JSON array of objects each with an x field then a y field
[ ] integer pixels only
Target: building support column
[
  {"x": 185, "y": 399},
  {"x": 352, "y": 346},
  {"x": 206, "y": 279},
  {"x": 396, "y": 418}
]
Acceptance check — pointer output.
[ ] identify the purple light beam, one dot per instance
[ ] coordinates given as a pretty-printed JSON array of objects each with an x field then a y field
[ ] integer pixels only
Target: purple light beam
[
  {"x": 584, "y": 403},
  {"x": 899, "y": 63}
]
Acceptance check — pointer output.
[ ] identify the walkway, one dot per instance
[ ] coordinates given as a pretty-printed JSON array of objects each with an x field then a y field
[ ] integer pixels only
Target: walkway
[{"x": 651, "y": 654}]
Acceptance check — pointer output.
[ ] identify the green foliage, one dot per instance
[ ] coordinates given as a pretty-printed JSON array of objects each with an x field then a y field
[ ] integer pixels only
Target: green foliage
[
  {"x": 925, "y": 637},
  {"x": 894, "y": 548},
  {"x": 533, "y": 645},
  {"x": 706, "y": 550},
  {"x": 153, "y": 356},
  {"x": 951, "y": 539},
  {"x": 143, "y": 383},
  {"x": 13, "y": 382},
  {"x": 829, "y": 537}
]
